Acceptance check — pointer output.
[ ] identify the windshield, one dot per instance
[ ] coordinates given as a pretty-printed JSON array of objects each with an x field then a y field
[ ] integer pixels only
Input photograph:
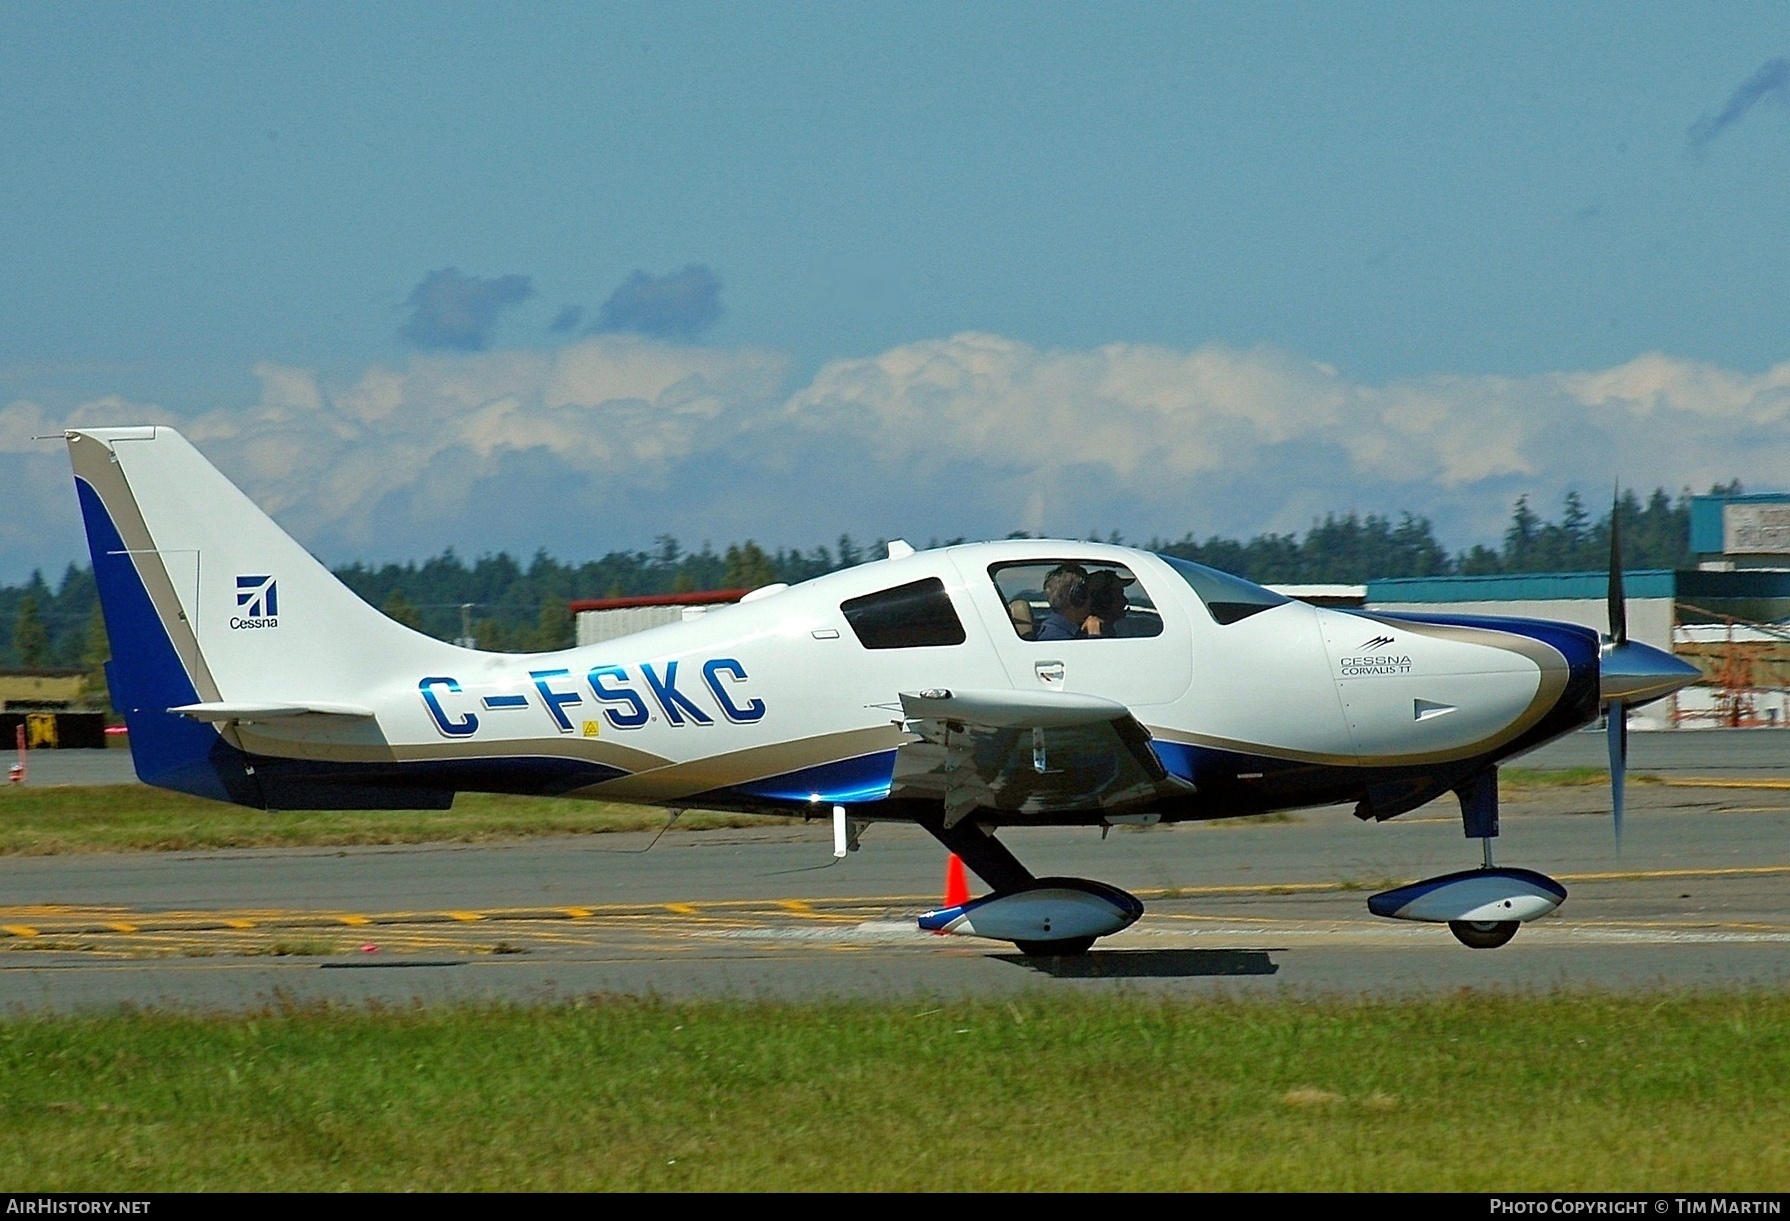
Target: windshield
[{"x": 1228, "y": 598}]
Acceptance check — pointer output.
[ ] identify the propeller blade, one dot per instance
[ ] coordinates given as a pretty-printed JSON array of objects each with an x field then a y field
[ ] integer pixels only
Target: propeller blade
[
  {"x": 1616, "y": 721},
  {"x": 1618, "y": 606},
  {"x": 1616, "y": 731}
]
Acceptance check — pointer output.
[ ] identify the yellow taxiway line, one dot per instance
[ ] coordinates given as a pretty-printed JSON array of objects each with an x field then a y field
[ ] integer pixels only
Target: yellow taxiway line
[{"x": 39, "y": 920}]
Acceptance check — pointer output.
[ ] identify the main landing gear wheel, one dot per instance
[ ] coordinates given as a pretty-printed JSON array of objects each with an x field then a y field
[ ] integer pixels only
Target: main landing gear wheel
[
  {"x": 1483, "y": 934},
  {"x": 1068, "y": 947}
]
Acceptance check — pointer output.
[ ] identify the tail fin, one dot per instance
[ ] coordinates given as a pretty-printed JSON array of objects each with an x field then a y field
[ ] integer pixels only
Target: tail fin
[{"x": 207, "y": 601}]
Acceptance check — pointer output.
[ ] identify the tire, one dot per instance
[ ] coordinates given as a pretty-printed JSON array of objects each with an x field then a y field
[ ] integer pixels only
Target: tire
[
  {"x": 1069, "y": 947},
  {"x": 1483, "y": 934}
]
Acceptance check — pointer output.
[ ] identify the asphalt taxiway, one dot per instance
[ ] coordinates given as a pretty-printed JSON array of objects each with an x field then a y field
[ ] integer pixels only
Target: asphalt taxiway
[{"x": 1700, "y": 896}]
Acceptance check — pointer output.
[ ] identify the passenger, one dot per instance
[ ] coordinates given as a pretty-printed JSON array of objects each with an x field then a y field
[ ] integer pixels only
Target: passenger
[
  {"x": 1066, "y": 589},
  {"x": 1020, "y": 611},
  {"x": 1106, "y": 604}
]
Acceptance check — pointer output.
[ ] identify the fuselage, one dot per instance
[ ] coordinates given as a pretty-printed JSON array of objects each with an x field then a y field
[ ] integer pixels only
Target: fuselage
[{"x": 789, "y": 701}]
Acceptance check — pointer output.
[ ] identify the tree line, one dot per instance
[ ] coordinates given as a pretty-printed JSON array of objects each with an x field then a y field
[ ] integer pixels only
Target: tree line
[{"x": 508, "y": 606}]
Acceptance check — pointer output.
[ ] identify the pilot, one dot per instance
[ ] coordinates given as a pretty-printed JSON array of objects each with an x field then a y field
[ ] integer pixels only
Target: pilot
[
  {"x": 1020, "y": 611},
  {"x": 1066, "y": 589},
  {"x": 1106, "y": 604}
]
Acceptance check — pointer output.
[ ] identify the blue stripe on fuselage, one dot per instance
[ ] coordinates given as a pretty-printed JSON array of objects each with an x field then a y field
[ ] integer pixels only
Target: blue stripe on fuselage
[{"x": 842, "y": 782}]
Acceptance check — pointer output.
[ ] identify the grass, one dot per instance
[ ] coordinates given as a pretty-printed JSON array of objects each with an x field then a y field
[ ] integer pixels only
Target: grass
[
  {"x": 134, "y": 817},
  {"x": 1472, "y": 1092}
]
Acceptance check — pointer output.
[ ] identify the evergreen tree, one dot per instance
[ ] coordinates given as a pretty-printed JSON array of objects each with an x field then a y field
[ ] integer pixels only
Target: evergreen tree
[
  {"x": 488, "y": 634},
  {"x": 399, "y": 609},
  {"x": 95, "y": 654},
  {"x": 30, "y": 642},
  {"x": 748, "y": 567},
  {"x": 555, "y": 630},
  {"x": 1574, "y": 519},
  {"x": 1521, "y": 537},
  {"x": 1482, "y": 561}
]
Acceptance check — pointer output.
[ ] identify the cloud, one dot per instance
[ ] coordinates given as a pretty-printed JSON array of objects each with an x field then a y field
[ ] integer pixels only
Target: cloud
[
  {"x": 452, "y": 311},
  {"x": 1772, "y": 80},
  {"x": 610, "y": 441},
  {"x": 566, "y": 321},
  {"x": 679, "y": 306}
]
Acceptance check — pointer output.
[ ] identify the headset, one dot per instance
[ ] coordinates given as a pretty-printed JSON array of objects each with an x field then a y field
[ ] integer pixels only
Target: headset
[{"x": 1077, "y": 591}]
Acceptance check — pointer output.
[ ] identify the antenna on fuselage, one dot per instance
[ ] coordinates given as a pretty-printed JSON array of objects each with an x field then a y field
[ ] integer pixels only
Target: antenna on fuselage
[
  {"x": 674, "y": 813},
  {"x": 845, "y": 839}
]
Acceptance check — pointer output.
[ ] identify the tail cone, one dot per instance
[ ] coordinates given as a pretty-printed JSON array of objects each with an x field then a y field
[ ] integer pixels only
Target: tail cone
[{"x": 957, "y": 886}]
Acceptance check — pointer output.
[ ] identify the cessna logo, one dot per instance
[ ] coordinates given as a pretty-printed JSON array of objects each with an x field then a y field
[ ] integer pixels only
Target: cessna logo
[
  {"x": 1368, "y": 663},
  {"x": 258, "y": 600}
]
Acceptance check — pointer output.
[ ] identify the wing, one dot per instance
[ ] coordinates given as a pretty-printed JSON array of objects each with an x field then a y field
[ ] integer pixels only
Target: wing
[{"x": 1027, "y": 753}]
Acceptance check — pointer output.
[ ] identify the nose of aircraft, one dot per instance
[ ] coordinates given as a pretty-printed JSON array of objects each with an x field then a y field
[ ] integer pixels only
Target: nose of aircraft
[{"x": 1635, "y": 673}]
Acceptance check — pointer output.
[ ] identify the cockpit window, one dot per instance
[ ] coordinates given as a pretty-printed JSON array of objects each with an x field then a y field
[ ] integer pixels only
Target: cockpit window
[
  {"x": 1074, "y": 600},
  {"x": 911, "y": 616},
  {"x": 1228, "y": 598}
]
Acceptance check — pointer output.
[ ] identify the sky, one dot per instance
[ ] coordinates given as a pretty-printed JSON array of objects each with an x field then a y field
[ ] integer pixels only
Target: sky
[{"x": 577, "y": 276}]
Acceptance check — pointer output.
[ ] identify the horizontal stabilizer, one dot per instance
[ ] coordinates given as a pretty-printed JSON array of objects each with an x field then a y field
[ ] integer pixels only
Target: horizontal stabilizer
[{"x": 268, "y": 710}]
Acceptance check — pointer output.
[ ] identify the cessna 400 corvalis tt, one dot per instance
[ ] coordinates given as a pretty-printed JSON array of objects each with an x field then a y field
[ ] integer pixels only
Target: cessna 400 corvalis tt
[{"x": 944, "y": 688}]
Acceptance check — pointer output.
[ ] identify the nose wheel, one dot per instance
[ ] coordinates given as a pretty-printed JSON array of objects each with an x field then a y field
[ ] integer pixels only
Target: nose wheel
[{"x": 1483, "y": 934}]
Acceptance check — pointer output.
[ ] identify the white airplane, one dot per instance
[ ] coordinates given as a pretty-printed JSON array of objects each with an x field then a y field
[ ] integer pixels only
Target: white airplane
[{"x": 949, "y": 688}]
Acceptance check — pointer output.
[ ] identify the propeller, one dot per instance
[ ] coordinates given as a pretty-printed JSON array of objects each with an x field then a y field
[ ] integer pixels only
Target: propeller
[{"x": 1616, "y": 721}]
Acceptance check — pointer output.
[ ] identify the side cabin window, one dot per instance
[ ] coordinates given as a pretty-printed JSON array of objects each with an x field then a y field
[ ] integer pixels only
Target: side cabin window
[
  {"x": 1226, "y": 597},
  {"x": 916, "y": 615},
  {"x": 1075, "y": 600}
]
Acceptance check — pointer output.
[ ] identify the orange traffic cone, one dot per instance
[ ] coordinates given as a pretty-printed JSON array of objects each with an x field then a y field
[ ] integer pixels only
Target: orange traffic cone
[{"x": 957, "y": 886}]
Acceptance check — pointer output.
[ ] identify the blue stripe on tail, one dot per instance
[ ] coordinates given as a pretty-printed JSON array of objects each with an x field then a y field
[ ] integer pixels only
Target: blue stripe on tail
[{"x": 147, "y": 678}]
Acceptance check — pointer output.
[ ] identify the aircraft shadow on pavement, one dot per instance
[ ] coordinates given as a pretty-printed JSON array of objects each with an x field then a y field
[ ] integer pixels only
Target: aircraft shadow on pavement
[{"x": 1148, "y": 964}]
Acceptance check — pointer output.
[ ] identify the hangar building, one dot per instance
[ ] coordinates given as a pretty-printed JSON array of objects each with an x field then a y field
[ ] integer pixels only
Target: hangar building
[{"x": 600, "y": 619}]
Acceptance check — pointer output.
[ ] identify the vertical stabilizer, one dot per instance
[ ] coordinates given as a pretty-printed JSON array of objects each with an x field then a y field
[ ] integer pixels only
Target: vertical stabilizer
[{"x": 207, "y": 600}]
